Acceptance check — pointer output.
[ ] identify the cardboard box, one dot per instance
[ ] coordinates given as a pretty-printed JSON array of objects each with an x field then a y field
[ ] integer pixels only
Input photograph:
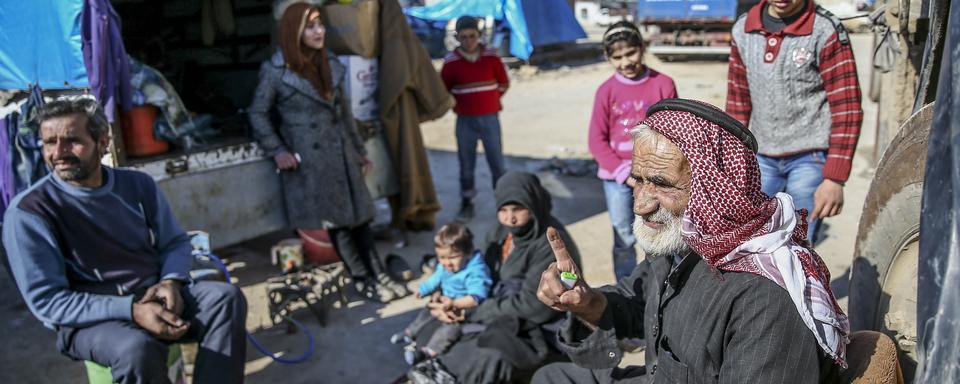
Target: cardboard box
[{"x": 362, "y": 86}]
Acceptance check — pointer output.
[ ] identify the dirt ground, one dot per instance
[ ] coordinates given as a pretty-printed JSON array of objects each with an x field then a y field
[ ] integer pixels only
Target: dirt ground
[{"x": 546, "y": 115}]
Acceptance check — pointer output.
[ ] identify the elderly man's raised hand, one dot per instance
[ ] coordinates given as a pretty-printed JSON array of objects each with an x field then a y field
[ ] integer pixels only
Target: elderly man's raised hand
[
  {"x": 581, "y": 300},
  {"x": 565, "y": 263}
]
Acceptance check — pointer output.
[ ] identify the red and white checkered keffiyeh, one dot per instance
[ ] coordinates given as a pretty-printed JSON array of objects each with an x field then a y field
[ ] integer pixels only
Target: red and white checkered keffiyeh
[{"x": 734, "y": 226}]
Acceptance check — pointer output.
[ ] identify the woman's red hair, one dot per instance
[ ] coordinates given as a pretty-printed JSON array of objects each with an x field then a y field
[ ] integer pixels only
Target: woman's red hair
[{"x": 309, "y": 63}]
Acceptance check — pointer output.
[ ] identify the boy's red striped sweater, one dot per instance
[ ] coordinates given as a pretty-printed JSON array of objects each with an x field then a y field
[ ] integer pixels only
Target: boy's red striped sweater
[
  {"x": 478, "y": 85},
  {"x": 797, "y": 89}
]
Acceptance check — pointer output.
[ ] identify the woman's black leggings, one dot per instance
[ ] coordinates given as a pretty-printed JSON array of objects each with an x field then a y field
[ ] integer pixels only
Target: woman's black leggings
[{"x": 357, "y": 250}]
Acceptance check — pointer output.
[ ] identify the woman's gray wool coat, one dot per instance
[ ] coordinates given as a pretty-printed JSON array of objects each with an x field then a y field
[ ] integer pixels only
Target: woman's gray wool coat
[{"x": 327, "y": 190}]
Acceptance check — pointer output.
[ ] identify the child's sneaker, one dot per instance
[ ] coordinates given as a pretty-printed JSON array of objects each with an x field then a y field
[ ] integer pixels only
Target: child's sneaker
[
  {"x": 414, "y": 356},
  {"x": 400, "y": 338}
]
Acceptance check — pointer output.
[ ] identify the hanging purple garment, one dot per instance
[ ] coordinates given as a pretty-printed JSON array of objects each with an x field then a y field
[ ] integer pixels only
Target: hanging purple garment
[
  {"x": 22, "y": 153},
  {"x": 105, "y": 56},
  {"x": 7, "y": 188}
]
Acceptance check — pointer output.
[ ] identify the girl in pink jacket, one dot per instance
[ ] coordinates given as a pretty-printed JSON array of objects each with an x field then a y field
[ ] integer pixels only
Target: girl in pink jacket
[{"x": 619, "y": 105}]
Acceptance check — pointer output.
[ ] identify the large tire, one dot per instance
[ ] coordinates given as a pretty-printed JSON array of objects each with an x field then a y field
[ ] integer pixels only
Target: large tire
[{"x": 883, "y": 278}]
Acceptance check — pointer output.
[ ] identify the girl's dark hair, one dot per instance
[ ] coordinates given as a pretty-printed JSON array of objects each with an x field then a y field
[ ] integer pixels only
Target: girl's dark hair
[
  {"x": 455, "y": 235},
  {"x": 622, "y": 31}
]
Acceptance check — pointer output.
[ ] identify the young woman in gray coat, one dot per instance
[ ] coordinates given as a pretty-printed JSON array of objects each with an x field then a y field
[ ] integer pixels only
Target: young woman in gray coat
[{"x": 317, "y": 147}]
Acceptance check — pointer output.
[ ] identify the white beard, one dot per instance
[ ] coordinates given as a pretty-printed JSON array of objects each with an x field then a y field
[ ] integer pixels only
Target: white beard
[{"x": 666, "y": 241}]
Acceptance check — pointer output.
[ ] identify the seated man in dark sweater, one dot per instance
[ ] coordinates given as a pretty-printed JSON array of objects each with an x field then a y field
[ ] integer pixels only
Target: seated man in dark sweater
[
  {"x": 741, "y": 296},
  {"x": 99, "y": 257}
]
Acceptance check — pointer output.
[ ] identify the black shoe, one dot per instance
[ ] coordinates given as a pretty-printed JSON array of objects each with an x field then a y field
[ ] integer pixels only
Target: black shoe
[
  {"x": 398, "y": 268},
  {"x": 466, "y": 209}
]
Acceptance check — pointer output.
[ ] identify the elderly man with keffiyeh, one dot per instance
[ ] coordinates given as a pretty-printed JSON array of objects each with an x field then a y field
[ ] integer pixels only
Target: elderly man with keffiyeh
[{"x": 731, "y": 291}]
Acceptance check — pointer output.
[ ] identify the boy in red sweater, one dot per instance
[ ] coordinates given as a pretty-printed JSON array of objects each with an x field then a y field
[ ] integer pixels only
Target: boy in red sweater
[
  {"x": 477, "y": 79},
  {"x": 793, "y": 81}
]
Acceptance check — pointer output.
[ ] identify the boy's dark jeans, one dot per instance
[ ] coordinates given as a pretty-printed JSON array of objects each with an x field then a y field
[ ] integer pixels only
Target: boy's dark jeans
[{"x": 470, "y": 129}]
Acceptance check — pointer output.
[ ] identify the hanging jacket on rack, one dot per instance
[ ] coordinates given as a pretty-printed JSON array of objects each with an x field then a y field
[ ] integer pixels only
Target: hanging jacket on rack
[
  {"x": 105, "y": 57},
  {"x": 7, "y": 188},
  {"x": 21, "y": 155}
]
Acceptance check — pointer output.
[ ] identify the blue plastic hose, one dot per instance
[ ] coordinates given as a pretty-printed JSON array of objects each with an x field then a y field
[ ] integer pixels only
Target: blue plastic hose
[{"x": 260, "y": 348}]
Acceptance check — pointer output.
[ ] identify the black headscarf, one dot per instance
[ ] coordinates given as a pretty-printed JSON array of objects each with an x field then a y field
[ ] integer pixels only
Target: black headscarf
[{"x": 525, "y": 189}]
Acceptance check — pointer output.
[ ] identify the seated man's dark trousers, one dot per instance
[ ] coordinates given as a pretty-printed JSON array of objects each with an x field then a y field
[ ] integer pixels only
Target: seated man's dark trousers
[{"x": 216, "y": 312}]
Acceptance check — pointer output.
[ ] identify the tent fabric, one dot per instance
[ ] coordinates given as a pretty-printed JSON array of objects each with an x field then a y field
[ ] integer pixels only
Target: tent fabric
[
  {"x": 40, "y": 43},
  {"x": 551, "y": 22},
  {"x": 531, "y": 22}
]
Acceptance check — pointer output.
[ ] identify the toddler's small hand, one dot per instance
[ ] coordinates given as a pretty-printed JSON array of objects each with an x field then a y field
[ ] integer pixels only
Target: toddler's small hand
[{"x": 446, "y": 302}]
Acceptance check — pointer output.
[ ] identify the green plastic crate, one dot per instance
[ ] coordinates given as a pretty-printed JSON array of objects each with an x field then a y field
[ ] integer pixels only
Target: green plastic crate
[{"x": 98, "y": 374}]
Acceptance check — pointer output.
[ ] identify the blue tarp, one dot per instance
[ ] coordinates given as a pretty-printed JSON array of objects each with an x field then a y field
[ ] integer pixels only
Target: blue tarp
[
  {"x": 40, "y": 42},
  {"x": 551, "y": 22},
  {"x": 680, "y": 10},
  {"x": 531, "y": 22}
]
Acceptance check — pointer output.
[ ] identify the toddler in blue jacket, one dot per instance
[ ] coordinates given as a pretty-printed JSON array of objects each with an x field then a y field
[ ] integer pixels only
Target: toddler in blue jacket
[{"x": 462, "y": 280}]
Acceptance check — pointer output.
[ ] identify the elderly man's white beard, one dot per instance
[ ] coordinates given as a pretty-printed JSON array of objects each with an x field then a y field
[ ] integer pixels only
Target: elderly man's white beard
[{"x": 666, "y": 241}]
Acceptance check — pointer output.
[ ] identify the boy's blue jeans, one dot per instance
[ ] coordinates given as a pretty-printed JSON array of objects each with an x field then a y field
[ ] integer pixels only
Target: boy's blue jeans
[
  {"x": 470, "y": 129},
  {"x": 797, "y": 175},
  {"x": 620, "y": 207}
]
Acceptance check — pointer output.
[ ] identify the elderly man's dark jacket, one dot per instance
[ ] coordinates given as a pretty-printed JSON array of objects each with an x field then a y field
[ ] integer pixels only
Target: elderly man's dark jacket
[{"x": 701, "y": 326}]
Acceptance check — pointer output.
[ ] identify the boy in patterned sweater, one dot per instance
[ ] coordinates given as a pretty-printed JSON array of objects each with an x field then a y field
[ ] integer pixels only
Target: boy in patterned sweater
[
  {"x": 477, "y": 79},
  {"x": 793, "y": 81}
]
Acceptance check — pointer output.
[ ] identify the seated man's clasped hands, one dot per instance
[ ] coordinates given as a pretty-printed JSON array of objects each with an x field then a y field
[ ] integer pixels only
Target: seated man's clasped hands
[{"x": 159, "y": 310}]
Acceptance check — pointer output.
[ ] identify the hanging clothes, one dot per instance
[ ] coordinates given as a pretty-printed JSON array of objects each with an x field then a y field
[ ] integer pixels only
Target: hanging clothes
[
  {"x": 21, "y": 153},
  {"x": 411, "y": 92},
  {"x": 105, "y": 57},
  {"x": 150, "y": 87},
  {"x": 7, "y": 188},
  {"x": 216, "y": 16}
]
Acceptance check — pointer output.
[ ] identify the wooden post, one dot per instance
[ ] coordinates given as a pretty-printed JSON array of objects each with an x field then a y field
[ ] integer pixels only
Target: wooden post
[{"x": 118, "y": 156}]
